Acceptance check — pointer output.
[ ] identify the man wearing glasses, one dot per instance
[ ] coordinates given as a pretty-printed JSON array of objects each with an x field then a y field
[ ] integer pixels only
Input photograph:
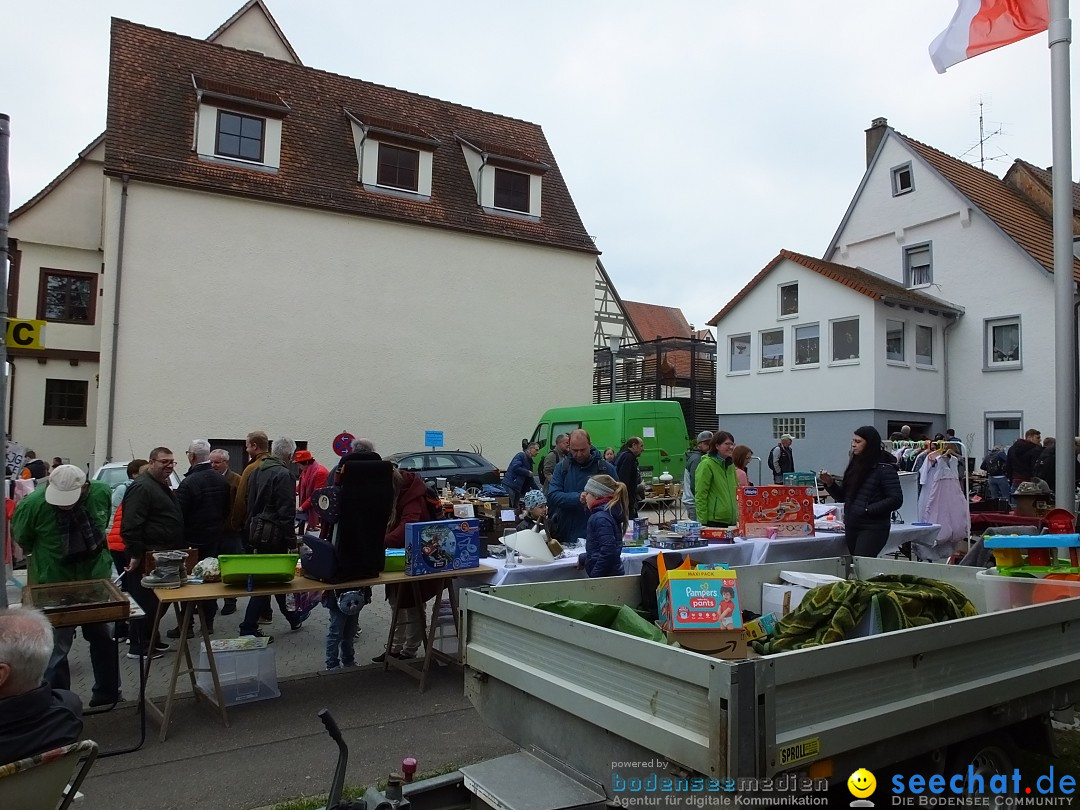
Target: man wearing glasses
[{"x": 151, "y": 521}]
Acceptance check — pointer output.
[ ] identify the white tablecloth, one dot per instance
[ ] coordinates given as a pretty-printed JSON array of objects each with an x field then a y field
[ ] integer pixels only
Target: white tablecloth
[{"x": 923, "y": 539}]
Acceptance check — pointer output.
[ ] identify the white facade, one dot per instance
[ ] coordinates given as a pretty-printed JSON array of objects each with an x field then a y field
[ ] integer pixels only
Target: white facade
[
  {"x": 238, "y": 315},
  {"x": 968, "y": 250}
]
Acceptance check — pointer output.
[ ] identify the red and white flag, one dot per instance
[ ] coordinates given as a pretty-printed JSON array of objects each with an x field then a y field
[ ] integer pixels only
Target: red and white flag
[{"x": 982, "y": 25}]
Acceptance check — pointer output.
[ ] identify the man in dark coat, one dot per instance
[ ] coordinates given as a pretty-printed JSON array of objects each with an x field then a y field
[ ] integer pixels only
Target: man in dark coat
[
  {"x": 568, "y": 515},
  {"x": 626, "y": 470},
  {"x": 34, "y": 717},
  {"x": 1021, "y": 458},
  {"x": 519, "y": 473}
]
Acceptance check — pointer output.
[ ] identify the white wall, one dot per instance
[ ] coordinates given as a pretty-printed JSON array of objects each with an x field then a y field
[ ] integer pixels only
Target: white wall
[
  {"x": 70, "y": 214},
  {"x": 909, "y": 386},
  {"x": 975, "y": 266},
  {"x": 829, "y": 386},
  {"x": 239, "y": 315},
  {"x": 71, "y": 442}
]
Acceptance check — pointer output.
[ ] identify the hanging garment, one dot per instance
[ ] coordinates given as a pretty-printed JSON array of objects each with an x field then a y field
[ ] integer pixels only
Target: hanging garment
[{"x": 941, "y": 500}]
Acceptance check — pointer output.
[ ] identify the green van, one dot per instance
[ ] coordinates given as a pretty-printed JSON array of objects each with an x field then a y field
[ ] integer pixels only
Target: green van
[{"x": 659, "y": 423}]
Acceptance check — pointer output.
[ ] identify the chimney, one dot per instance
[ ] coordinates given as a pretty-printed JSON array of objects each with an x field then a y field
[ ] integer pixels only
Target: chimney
[{"x": 874, "y": 136}]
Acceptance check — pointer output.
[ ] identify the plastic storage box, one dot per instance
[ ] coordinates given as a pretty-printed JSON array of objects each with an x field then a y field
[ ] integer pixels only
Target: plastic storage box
[
  {"x": 1004, "y": 593},
  {"x": 237, "y": 568},
  {"x": 245, "y": 675}
]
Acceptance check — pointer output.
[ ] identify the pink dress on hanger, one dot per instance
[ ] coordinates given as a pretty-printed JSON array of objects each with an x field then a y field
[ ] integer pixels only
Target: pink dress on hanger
[{"x": 942, "y": 500}]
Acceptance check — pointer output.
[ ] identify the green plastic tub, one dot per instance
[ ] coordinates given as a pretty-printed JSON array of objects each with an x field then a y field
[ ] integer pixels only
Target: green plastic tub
[
  {"x": 395, "y": 559},
  {"x": 236, "y": 569}
]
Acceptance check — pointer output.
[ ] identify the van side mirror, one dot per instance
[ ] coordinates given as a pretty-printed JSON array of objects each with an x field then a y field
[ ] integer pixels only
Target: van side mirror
[{"x": 524, "y": 443}]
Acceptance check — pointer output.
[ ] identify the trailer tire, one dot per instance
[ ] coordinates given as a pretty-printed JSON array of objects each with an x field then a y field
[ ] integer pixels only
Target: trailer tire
[{"x": 988, "y": 755}]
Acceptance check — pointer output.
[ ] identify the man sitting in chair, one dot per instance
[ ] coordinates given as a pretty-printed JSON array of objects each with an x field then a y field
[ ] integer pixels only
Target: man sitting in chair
[{"x": 34, "y": 717}]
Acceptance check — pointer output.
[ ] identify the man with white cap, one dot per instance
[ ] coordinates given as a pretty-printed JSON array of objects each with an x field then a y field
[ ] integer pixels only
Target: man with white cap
[{"x": 62, "y": 529}]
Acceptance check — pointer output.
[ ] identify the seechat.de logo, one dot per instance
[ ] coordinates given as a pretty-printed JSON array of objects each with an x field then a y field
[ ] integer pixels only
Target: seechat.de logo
[{"x": 862, "y": 785}]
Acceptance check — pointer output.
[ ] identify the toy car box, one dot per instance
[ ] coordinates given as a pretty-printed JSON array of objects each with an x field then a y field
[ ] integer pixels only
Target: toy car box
[
  {"x": 787, "y": 510},
  {"x": 439, "y": 546}
]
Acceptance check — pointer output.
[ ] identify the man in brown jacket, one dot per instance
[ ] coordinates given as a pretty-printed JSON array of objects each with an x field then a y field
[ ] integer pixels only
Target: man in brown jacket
[{"x": 230, "y": 542}]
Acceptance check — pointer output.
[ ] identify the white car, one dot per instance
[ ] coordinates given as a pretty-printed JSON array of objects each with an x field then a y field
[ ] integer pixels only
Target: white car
[{"x": 114, "y": 473}]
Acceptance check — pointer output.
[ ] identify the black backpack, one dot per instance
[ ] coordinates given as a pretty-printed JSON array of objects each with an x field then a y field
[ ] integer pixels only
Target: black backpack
[
  {"x": 649, "y": 580},
  {"x": 995, "y": 464}
]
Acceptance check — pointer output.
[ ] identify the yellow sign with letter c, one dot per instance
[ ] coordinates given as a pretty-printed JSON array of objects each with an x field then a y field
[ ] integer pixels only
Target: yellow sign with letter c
[{"x": 24, "y": 334}]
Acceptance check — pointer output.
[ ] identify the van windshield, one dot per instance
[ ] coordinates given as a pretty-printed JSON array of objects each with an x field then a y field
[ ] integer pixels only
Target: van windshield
[{"x": 539, "y": 436}]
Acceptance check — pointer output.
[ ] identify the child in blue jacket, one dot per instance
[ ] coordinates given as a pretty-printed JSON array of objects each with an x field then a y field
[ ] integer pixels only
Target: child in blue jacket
[{"x": 607, "y": 501}]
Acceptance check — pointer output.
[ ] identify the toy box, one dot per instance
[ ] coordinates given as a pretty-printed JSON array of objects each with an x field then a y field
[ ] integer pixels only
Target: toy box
[
  {"x": 698, "y": 600},
  {"x": 761, "y": 627},
  {"x": 395, "y": 559},
  {"x": 789, "y": 511},
  {"x": 441, "y": 545},
  {"x": 714, "y": 534}
]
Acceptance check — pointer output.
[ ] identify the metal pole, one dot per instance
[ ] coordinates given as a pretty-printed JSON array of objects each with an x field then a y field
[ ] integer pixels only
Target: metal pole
[
  {"x": 5, "y": 204},
  {"x": 1060, "y": 35}
]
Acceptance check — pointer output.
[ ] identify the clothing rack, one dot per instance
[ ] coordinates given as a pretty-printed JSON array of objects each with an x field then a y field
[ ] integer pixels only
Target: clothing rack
[{"x": 940, "y": 444}]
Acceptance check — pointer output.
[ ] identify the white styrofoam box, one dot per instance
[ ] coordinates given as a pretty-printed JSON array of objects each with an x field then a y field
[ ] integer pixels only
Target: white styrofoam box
[
  {"x": 781, "y": 599},
  {"x": 245, "y": 675},
  {"x": 808, "y": 579},
  {"x": 1005, "y": 593}
]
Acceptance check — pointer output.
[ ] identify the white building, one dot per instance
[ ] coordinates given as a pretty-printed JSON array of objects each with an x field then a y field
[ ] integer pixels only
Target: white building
[
  {"x": 256, "y": 244},
  {"x": 948, "y": 275},
  {"x": 816, "y": 349}
]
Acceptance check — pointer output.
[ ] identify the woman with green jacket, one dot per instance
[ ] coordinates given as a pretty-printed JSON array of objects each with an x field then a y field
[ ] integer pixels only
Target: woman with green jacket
[{"x": 715, "y": 482}]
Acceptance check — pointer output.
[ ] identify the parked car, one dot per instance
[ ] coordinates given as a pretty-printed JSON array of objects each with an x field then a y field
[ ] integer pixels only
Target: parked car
[
  {"x": 114, "y": 473},
  {"x": 460, "y": 469}
]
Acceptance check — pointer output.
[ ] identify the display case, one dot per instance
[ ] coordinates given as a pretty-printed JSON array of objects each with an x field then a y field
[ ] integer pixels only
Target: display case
[{"x": 72, "y": 603}]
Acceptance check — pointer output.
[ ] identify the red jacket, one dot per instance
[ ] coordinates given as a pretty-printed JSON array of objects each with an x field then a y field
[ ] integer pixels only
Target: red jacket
[
  {"x": 312, "y": 477},
  {"x": 409, "y": 508}
]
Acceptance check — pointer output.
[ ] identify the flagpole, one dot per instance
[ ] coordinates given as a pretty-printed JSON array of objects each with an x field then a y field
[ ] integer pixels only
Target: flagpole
[{"x": 1065, "y": 423}]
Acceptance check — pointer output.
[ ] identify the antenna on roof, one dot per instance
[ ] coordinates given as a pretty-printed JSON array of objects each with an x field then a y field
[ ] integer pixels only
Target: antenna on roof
[{"x": 984, "y": 138}]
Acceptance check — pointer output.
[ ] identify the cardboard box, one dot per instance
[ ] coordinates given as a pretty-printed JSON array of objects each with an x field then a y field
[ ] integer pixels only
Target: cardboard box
[
  {"x": 463, "y": 510},
  {"x": 439, "y": 546},
  {"x": 717, "y": 535},
  {"x": 760, "y": 627},
  {"x": 781, "y": 599},
  {"x": 694, "y": 600},
  {"x": 725, "y": 644},
  {"x": 787, "y": 510}
]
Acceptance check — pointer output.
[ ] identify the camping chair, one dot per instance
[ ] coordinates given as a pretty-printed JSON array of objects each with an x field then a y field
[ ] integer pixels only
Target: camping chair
[
  {"x": 47, "y": 781},
  {"x": 367, "y": 502}
]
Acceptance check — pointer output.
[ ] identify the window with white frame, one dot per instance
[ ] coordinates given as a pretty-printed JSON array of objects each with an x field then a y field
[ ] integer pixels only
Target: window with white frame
[
  {"x": 901, "y": 180},
  {"x": 739, "y": 353},
  {"x": 918, "y": 266},
  {"x": 807, "y": 344},
  {"x": 894, "y": 340},
  {"x": 1003, "y": 347},
  {"x": 924, "y": 345},
  {"x": 238, "y": 125},
  {"x": 789, "y": 299},
  {"x": 793, "y": 426},
  {"x": 1003, "y": 428},
  {"x": 772, "y": 349},
  {"x": 845, "y": 340}
]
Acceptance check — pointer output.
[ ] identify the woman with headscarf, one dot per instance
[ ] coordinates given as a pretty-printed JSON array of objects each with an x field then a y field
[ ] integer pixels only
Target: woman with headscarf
[{"x": 870, "y": 492}]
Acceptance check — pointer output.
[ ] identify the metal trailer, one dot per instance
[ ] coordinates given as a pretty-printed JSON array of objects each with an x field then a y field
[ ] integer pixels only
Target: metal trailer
[{"x": 578, "y": 697}]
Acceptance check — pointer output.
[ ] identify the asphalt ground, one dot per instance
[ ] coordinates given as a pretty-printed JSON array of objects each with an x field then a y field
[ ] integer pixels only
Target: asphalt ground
[{"x": 277, "y": 749}]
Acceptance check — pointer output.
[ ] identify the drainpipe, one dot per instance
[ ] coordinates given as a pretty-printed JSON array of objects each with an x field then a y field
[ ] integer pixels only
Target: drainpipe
[
  {"x": 110, "y": 407},
  {"x": 945, "y": 364}
]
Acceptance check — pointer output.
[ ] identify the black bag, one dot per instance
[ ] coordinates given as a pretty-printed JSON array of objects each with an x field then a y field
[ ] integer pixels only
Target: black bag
[
  {"x": 649, "y": 580},
  {"x": 266, "y": 536},
  {"x": 321, "y": 560}
]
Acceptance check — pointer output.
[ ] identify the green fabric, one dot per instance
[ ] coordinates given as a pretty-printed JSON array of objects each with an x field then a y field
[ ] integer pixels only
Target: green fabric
[
  {"x": 714, "y": 491},
  {"x": 830, "y": 612},
  {"x": 34, "y": 527},
  {"x": 621, "y": 618}
]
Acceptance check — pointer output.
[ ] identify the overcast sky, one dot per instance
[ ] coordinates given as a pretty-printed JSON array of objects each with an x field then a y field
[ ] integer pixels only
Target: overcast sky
[{"x": 697, "y": 138}]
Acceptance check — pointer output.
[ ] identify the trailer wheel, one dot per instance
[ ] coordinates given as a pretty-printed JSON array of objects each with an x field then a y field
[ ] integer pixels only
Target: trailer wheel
[{"x": 990, "y": 755}]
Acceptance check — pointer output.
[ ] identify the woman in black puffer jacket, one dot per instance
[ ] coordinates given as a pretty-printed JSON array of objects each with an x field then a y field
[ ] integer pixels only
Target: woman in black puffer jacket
[{"x": 870, "y": 493}]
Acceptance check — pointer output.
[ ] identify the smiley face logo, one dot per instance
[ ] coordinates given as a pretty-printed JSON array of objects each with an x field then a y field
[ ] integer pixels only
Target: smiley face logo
[{"x": 862, "y": 783}]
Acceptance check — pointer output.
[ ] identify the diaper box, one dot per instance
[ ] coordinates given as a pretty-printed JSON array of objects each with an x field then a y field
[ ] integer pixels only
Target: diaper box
[
  {"x": 699, "y": 600},
  {"x": 785, "y": 511},
  {"x": 441, "y": 546}
]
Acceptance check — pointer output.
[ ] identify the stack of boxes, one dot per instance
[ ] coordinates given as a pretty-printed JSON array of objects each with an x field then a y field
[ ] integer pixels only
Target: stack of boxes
[{"x": 699, "y": 608}]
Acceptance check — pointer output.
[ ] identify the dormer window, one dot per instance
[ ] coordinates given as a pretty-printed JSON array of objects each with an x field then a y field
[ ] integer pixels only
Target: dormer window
[
  {"x": 238, "y": 125},
  {"x": 398, "y": 167},
  {"x": 512, "y": 190},
  {"x": 506, "y": 181},
  {"x": 392, "y": 157},
  {"x": 239, "y": 136}
]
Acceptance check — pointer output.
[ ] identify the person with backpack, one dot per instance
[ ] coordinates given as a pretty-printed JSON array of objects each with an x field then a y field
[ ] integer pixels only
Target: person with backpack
[
  {"x": 994, "y": 467},
  {"x": 781, "y": 459}
]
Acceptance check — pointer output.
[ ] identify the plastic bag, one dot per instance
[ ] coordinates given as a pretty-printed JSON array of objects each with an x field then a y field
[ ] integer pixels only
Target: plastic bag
[
  {"x": 207, "y": 570},
  {"x": 622, "y": 618}
]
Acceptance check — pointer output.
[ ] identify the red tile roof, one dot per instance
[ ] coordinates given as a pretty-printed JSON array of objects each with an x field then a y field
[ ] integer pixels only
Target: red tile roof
[
  {"x": 151, "y": 114},
  {"x": 1021, "y": 220},
  {"x": 862, "y": 281},
  {"x": 651, "y": 321}
]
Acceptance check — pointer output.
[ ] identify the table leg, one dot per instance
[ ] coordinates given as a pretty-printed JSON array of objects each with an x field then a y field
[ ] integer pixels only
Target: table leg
[
  {"x": 219, "y": 697},
  {"x": 428, "y": 628},
  {"x": 170, "y": 699},
  {"x": 393, "y": 628}
]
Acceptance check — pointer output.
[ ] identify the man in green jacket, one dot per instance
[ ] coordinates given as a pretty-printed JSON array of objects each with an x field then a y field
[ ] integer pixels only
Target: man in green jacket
[
  {"x": 62, "y": 530},
  {"x": 715, "y": 483}
]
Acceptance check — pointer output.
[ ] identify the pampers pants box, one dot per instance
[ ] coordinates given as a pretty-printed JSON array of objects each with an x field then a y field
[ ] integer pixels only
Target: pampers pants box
[
  {"x": 789, "y": 511},
  {"x": 440, "y": 546}
]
